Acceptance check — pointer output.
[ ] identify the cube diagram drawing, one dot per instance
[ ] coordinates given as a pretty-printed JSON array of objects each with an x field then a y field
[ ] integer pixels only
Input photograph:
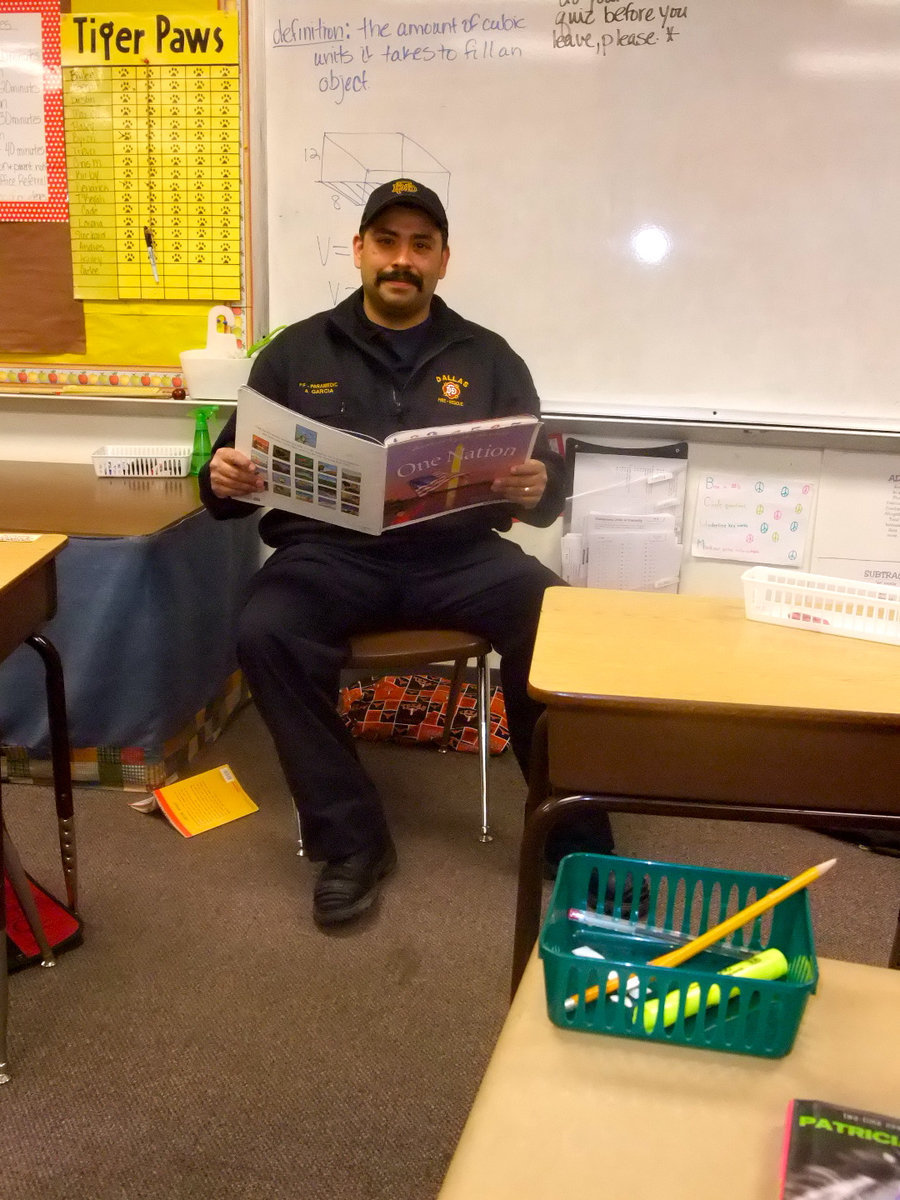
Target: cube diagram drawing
[{"x": 354, "y": 164}]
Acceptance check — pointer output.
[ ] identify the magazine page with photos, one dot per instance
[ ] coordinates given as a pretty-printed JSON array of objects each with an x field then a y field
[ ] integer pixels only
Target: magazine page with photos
[
  {"x": 346, "y": 479},
  {"x": 310, "y": 468}
]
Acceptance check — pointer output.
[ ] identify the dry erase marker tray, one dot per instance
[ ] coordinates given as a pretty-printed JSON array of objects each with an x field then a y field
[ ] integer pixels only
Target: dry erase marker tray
[
  {"x": 159, "y": 461},
  {"x": 734, "y": 1013},
  {"x": 822, "y": 603}
]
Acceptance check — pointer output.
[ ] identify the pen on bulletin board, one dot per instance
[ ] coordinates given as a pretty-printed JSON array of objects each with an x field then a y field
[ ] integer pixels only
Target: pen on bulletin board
[
  {"x": 674, "y": 958},
  {"x": 151, "y": 253}
]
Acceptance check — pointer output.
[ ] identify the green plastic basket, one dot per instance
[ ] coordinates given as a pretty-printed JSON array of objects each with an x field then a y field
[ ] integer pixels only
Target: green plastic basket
[{"x": 757, "y": 1016}]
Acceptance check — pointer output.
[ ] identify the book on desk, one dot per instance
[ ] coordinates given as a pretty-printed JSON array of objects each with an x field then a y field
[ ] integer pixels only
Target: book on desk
[{"x": 833, "y": 1150}]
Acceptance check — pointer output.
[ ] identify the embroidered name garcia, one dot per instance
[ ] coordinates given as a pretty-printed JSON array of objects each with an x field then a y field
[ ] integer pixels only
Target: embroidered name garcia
[{"x": 318, "y": 389}]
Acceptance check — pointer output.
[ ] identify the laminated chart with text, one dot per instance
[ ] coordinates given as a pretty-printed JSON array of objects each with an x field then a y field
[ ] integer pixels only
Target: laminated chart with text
[
  {"x": 750, "y": 518},
  {"x": 858, "y": 520},
  {"x": 152, "y": 110}
]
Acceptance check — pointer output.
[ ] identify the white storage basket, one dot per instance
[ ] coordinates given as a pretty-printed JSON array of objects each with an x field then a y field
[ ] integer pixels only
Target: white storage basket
[
  {"x": 822, "y": 603},
  {"x": 157, "y": 461}
]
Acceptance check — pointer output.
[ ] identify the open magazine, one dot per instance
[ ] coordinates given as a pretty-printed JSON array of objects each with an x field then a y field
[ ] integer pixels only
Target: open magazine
[{"x": 331, "y": 475}]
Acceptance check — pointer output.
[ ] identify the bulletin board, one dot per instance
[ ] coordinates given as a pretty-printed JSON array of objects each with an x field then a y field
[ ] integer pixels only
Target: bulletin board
[
  {"x": 679, "y": 211},
  {"x": 122, "y": 179}
]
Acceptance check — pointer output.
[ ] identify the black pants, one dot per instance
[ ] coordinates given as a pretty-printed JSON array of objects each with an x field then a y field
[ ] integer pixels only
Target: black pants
[{"x": 302, "y": 608}]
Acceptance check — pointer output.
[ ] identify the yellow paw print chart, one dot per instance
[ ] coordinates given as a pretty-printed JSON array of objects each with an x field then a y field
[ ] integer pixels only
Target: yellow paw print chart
[{"x": 153, "y": 145}]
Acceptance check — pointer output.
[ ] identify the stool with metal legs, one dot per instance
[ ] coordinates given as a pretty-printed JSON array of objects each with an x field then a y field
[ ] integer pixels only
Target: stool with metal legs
[{"x": 405, "y": 649}]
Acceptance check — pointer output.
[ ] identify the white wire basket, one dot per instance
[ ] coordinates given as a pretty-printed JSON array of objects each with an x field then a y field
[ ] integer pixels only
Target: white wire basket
[
  {"x": 144, "y": 461},
  {"x": 822, "y": 603}
]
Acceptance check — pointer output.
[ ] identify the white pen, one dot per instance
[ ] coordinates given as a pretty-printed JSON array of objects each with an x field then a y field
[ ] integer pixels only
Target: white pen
[
  {"x": 151, "y": 253},
  {"x": 648, "y": 933}
]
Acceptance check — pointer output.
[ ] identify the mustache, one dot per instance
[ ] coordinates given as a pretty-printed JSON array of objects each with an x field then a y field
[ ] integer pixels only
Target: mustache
[{"x": 400, "y": 277}]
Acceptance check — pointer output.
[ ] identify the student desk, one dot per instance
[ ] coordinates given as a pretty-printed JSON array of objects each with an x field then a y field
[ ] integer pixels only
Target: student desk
[
  {"x": 27, "y": 603},
  {"x": 42, "y": 497},
  {"x": 565, "y": 1113},
  {"x": 149, "y": 591},
  {"x": 680, "y": 706}
]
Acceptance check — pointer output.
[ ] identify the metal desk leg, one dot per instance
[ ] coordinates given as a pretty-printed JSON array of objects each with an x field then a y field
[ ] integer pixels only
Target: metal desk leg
[
  {"x": 528, "y": 900},
  {"x": 62, "y": 770},
  {"x": 531, "y": 851},
  {"x": 894, "y": 960},
  {"x": 20, "y": 885},
  {"x": 4, "y": 982}
]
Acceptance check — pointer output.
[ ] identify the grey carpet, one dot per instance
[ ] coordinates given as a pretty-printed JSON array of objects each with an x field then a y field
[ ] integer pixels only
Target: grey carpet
[{"x": 207, "y": 1041}]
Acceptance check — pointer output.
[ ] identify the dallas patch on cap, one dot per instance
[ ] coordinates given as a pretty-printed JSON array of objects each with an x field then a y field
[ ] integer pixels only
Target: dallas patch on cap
[{"x": 406, "y": 192}]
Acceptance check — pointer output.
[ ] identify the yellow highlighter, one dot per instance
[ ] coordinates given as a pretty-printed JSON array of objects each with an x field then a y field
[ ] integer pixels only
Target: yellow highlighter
[{"x": 768, "y": 964}]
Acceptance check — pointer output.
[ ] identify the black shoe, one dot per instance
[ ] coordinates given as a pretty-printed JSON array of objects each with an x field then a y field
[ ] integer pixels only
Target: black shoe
[
  {"x": 581, "y": 835},
  {"x": 551, "y": 869},
  {"x": 347, "y": 887},
  {"x": 609, "y": 901}
]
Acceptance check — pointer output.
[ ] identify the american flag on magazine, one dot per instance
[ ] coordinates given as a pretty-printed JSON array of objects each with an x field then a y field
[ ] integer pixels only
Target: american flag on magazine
[{"x": 425, "y": 484}]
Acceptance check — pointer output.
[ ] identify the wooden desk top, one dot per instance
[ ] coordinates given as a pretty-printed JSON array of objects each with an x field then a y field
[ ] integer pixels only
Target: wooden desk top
[
  {"x": 18, "y": 559},
  {"x": 563, "y": 1113},
  {"x": 658, "y": 652},
  {"x": 27, "y": 588},
  {"x": 71, "y": 498}
]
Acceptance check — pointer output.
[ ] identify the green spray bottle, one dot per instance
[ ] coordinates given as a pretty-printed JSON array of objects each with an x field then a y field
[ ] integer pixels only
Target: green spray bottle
[{"x": 202, "y": 447}]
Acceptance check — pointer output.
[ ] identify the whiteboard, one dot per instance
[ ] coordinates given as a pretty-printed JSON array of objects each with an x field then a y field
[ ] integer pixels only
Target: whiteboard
[{"x": 678, "y": 211}]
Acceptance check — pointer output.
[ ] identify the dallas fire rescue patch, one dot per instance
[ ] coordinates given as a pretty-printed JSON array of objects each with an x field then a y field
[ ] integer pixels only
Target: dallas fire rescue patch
[{"x": 451, "y": 388}]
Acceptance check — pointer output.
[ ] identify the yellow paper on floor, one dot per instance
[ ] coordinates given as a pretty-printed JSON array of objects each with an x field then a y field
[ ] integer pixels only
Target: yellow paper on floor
[{"x": 202, "y": 802}]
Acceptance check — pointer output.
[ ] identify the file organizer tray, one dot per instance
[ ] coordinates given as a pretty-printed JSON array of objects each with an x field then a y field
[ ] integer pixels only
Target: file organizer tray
[
  {"x": 822, "y": 603},
  {"x": 757, "y": 1016},
  {"x": 143, "y": 461}
]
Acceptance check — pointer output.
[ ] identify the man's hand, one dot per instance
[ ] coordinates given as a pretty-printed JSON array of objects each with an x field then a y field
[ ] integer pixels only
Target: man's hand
[
  {"x": 524, "y": 485},
  {"x": 232, "y": 474}
]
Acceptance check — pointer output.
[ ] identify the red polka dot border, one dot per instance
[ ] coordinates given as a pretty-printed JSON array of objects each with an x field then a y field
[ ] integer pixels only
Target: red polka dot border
[{"x": 56, "y": 206}]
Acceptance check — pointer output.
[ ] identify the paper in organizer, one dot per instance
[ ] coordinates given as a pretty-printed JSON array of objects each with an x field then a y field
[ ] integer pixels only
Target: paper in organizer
[{"x": 624, "y": 517}]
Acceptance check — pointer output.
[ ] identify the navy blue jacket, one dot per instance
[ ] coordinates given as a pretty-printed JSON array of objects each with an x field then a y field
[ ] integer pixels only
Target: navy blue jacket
[{"x": 337, "y": 368}]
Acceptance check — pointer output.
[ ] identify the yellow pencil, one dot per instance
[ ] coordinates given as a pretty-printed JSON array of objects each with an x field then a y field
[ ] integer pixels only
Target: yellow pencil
[{"x": 674, "y": 958}]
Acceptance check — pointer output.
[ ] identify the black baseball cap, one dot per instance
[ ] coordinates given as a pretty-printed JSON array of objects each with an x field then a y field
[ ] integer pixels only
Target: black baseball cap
[{"x": 409, "y": 193}]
